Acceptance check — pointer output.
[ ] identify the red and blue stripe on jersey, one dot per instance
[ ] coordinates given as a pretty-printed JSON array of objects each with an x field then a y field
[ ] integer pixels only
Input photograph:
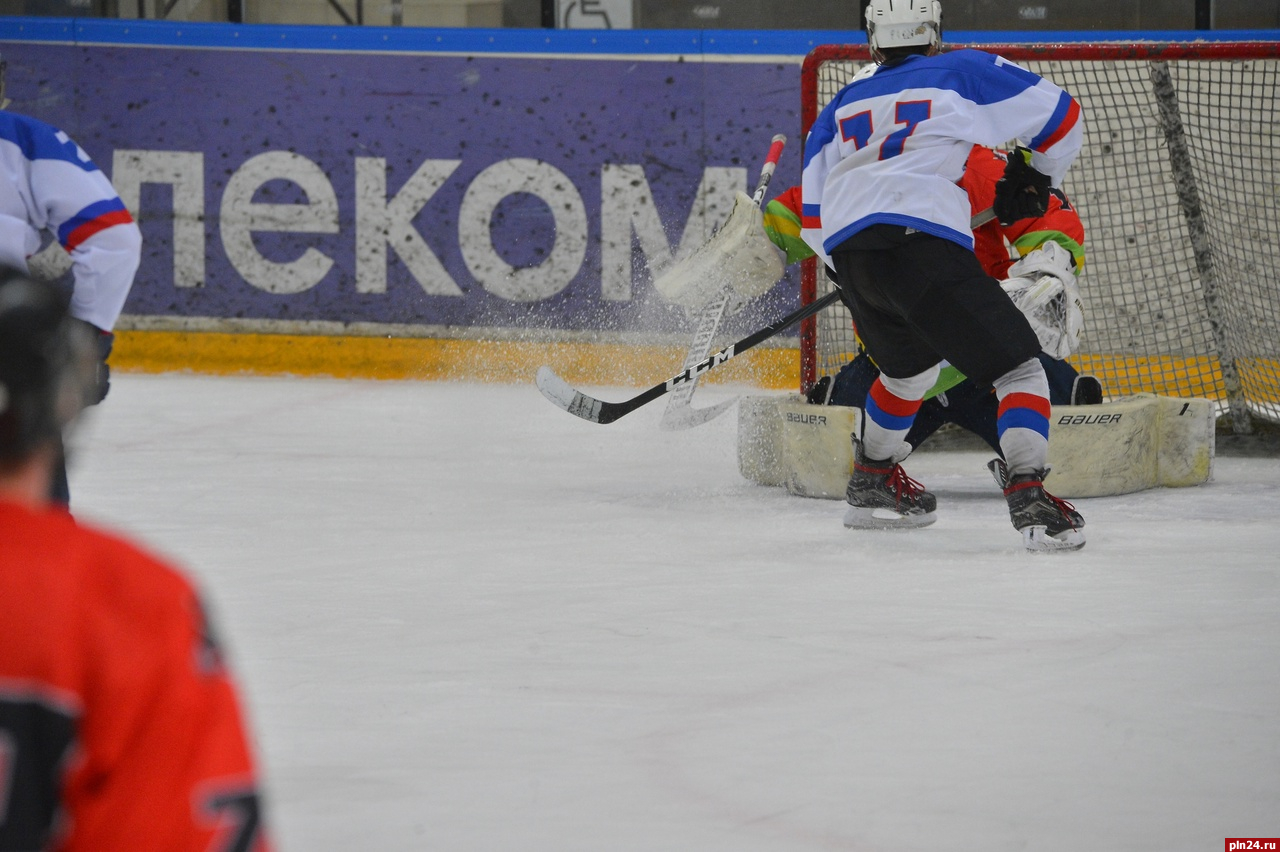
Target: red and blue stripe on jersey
[
  {"x": 92, "y": 219},
  {"x": 1064, "y": 118},
  {"x": 811, "y": 216}
]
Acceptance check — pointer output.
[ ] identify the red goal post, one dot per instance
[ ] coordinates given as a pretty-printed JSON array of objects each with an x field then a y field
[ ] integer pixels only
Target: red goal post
[{"x": 1178, "y": 186}]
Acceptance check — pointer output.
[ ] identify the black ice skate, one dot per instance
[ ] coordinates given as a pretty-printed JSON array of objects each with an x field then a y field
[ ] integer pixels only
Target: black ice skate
[
  {"x": 881, "y": 496},
  {"x": 1046, "y": 523}
]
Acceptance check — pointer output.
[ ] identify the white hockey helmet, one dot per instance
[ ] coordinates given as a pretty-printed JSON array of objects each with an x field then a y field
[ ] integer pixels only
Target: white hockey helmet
[{"x": 903, "y": 23}]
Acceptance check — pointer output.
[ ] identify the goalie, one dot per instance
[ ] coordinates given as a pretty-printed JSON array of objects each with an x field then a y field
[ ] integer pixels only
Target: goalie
[{"x": 1041, "y": 283}]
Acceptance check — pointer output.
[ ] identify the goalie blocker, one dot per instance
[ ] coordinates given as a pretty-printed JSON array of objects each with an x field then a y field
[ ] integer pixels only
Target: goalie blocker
[{"x": 1119, "y": 447}]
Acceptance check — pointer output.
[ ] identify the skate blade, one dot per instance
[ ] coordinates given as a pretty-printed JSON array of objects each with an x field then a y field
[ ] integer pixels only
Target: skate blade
[
  {"x": 1037, "y": 540},
  {"x": 863, "y": 518}
]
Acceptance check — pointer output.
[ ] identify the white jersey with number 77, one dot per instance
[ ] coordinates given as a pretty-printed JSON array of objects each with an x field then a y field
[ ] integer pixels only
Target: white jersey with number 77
[{"x": 890, "y": 146}]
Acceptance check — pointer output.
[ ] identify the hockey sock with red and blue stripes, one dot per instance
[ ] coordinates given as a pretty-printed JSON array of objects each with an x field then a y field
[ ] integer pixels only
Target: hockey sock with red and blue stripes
[
  {"x": 1022, "y": 419},
  {"x": 890, "y": 410}
]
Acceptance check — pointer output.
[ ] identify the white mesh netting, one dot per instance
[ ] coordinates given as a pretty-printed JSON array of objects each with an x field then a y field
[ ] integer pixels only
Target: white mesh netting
[{"x": 1182, "y": 294}]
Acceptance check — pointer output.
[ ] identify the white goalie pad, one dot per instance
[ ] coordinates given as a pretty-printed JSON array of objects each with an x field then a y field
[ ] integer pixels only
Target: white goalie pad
[
  {"x": 760, "y": 438},
  {"x": 739, "y": 256},
  {"x": 805, "y": 448},
  {"x": 1114, "y": 448},
  {"x": 1043, "y": 286},
  {"x": 1130, "y": 445}
]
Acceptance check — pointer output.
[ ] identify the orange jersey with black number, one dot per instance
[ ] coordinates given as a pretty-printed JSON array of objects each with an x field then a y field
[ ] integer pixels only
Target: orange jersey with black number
[
  {"x": 120, "y": 728},
  {"x": 1060, "y": 223}
]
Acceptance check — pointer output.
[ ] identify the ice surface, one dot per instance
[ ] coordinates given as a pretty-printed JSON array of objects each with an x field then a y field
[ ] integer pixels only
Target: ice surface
[{"x": 465, "y": 620}]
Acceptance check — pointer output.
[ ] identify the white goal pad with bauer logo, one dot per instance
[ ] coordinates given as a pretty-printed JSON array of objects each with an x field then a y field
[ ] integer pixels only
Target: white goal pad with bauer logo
[{"x": 1113, "y": 448}]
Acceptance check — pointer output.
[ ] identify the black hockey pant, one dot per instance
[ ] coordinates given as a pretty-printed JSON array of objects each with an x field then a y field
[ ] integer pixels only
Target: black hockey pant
[{"x": 918, "y": 299}]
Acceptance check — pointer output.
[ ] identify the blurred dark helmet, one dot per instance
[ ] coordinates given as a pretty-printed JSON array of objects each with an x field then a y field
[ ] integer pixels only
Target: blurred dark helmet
[{"x": 47, "y": 364}]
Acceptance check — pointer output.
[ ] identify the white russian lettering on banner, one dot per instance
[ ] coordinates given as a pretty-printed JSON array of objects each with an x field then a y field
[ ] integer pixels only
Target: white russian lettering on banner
[
  {"x": 241, "y": 217},
  {"x": 475, "y": 222},
  {"x": 380, "y": 222},
  {"x": 184, "y": 171},
  {"x": 628, "y": 214},
  {"x": 627, "y": 207}
]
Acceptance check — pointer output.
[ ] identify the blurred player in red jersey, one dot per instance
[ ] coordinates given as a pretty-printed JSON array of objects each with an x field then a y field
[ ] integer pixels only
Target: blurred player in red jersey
[
  {"x": 120, "y": 729},
  {"x": 954, "y": 399}
]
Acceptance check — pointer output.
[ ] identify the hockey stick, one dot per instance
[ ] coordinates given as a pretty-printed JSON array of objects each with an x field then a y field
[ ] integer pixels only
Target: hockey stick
[
  {"x": 562, "y": 394},
  {"x": 679, "y": 413}
]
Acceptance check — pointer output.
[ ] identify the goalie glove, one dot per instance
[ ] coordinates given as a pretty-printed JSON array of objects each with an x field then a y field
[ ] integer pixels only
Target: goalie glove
[
  {"x": 1043, "y": 286},
  {"x": 1022, "y": 192},
  {"x": 739, "y": 256}
]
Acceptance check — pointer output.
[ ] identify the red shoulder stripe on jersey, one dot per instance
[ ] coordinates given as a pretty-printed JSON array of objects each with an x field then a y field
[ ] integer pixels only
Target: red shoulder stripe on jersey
[
  {"x": 1068, "y": 122},
  {"x": 101, "y": 223}
]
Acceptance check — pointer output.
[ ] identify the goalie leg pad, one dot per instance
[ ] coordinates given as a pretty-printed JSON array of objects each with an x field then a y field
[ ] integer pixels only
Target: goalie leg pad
[
  {"x": 1130, "y": 445},
  {"x": 1099, "y": 450},
  {"x": 760, "y": 442}
]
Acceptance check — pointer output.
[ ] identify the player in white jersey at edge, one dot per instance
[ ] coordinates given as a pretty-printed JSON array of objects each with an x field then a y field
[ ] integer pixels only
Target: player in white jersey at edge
[
  {"x": 882, "y": 208},
  {"x": 48, "y": 185}
]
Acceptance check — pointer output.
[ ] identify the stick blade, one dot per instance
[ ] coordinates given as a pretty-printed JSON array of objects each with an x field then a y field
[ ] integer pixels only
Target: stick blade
[
  {"x": 563, "y": 396},
  {"x": 678, "y": 417}
]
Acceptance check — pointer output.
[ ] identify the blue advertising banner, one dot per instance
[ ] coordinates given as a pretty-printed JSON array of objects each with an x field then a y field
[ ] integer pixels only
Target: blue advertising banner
[{"x": 413, "y": 189}]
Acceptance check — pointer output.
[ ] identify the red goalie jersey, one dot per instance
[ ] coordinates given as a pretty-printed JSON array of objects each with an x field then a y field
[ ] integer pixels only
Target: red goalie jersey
[
  {"x": 1060, "y": 223},
  {"x": 120, "y": 729}
]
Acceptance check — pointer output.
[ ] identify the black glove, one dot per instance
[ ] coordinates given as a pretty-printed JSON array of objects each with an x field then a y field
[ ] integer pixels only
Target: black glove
[
  {"x": 1023, "y": 192},
  {"x": 102, "y": 340}
]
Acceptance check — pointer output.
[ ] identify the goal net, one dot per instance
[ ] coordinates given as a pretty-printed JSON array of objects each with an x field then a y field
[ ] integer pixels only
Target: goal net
[{"x": 1178, "y": 186}]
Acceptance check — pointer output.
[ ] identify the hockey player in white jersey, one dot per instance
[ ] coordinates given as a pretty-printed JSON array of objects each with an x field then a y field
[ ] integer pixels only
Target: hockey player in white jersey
[
  {"x": 50, "y": 188},
  {"x": 882, "y": 208}
]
